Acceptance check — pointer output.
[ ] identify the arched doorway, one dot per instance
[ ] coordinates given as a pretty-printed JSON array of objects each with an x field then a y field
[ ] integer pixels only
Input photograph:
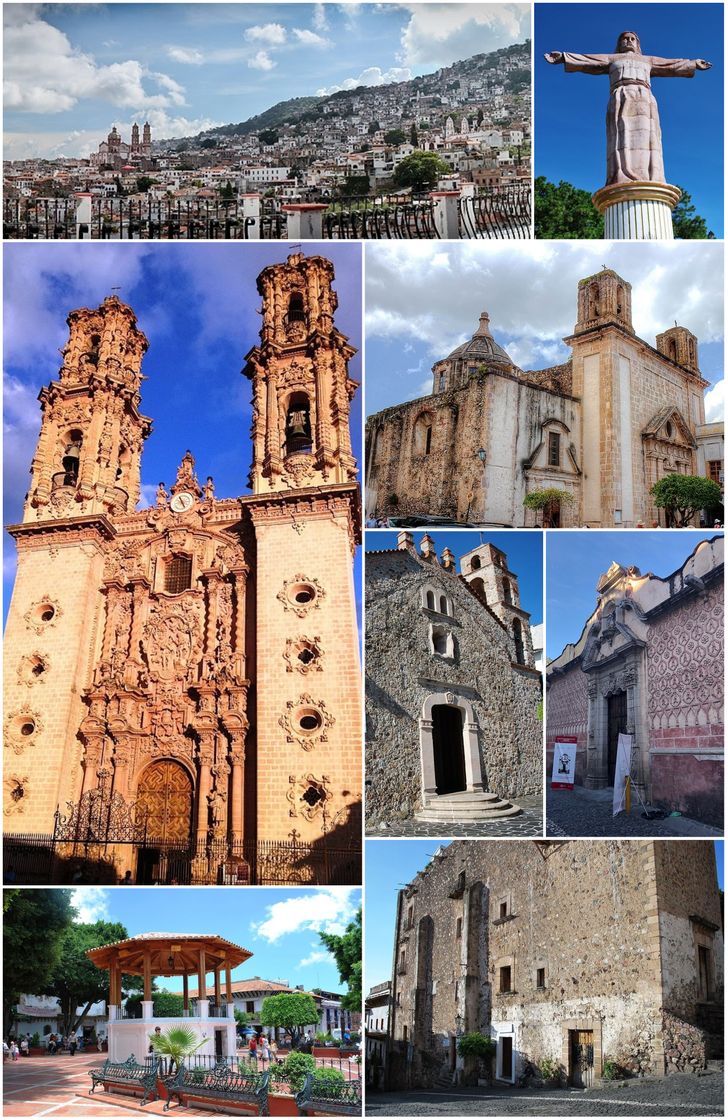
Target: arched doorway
[
  {"x": 448, "y": 747},
  {"x": 165, "y": 797}
]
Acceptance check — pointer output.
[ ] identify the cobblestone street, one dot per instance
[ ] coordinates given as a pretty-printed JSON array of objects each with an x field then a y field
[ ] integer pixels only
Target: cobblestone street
[
  {"x": 677, "y": 1095},
  {"x": 588, "y": 812},
  {"x": 527, "y": 823}
]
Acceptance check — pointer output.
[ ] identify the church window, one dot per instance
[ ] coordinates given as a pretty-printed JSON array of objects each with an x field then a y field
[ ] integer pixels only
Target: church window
[
  {"x": 306, "y": 656},
  {"x": 314, "y": 795},
  {"x": 593, "y": 301},
  {"x": 475, "y": 563},
  {"x": 303, "y": 593},
  {"x": 518, "y": 641},
  {"x": 479, "y": 588},
  {"x": 672, "y": 350},
  {"x": 17, "y": 793},
  {"x": 422, "y": 434},
  {"x": 507, "y": 596},
  {"x": 298, "y": 424},
  {"x": 459, "y": 928},
  {"x": 691, "y": 351},
  {"x": 443, "y": 382},
  {"x": 178, "y": 574},
  {"x": 714, "y": 469},
  {"x": 443, "y": 605},
  {"x": 668, "y": 429},
  {"x": 47, "y": 613},
  {"x": 540, "y": 977},
  {"x": 505, "y": 978},
  {"x": 308, "y": 720},
  {"x": 38, "y": 667},
  {"x": 620, "y": 299},
  {"x": 296, "y": 313},
  {"x": 430, "y": 600},
  {"x": 27, "y": 727},
  {"x": 428, "y": 440},
  {"x": 554, "y": 449}
]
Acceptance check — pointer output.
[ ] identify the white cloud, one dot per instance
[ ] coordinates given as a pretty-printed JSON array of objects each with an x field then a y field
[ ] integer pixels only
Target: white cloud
[
  {"x": 316, "y": 956},
  {"x": 45, "y": 73},
  {"x": 187, "y": 55},
  {"x": 310, "y": 38},
  {"x": 274, "y": 34},
  {"x": 372, "y": 76},
  {"x": 52, "y": 145},
  {"x": 440, "y": 34},
  {"x": 91, "y": 903},
  {"x": 328, "y": 911},
  {"x": 715, "y": 403},
  {"x": 261, "y": 61},
  {"x": 319, "y": 17}
]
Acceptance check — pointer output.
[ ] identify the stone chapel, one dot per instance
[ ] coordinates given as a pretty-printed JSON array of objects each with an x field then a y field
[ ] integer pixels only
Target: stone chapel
[
  {"x": 182, "y": 681},
  {"x": 603, "y": 427}
]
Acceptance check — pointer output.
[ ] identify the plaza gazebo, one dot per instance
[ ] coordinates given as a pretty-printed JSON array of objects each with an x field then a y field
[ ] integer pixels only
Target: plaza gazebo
[{"x": 171, "y": 954}]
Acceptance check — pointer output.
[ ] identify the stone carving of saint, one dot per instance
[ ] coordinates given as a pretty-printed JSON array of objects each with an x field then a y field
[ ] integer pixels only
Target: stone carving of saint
[
  {"x": 634, "y": 140},
  {"x": 162, "y": 495},
  {"x": 209, "y": 489}
]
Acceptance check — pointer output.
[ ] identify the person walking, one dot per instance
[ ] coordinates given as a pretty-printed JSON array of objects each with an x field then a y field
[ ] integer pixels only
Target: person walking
[
  {"x": 253, "y": 1048},
  {"x": 24, "y": 1046},
  {"x": 14, "y": 1051},
  {"x": 265, "y": 1051},
  {"x": 72, "y": 1043}
]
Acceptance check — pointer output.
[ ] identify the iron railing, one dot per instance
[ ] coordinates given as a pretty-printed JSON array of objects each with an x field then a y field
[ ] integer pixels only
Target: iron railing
[
  {"x": 395, "y": 217},
  {"x": 500, "y": 212},
  {"x": 32, "y": 219}
]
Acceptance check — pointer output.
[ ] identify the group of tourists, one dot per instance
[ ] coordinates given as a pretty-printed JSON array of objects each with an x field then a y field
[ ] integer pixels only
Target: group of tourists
[
  {"x": 14, "y": 1048},
  {"x": 262, "y": 1049}
]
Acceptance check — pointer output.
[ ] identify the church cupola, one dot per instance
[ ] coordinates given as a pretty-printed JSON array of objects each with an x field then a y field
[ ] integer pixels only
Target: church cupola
[
  {"x": 301, "y": 387},
  {"x": 680, "y": 346},
  {"x": 603, "y": 299},
  {"x": 89, "y": 450}
]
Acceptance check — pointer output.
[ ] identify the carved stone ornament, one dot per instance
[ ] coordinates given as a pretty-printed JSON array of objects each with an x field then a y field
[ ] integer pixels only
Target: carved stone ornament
[
  {"x": 43, "y": 613},
  {"x": 22, "y": 727},
  {"x": 33, "y": 668},
  {"x": 172, "y": 638},
  {"x": 16, "y": 794},
  {"x": 303, "y": 655},
  {"x": 301, "y": 594},
  {"x": 306, "y": 721},
  {"x": 308, "y": 795},
  {"x": 298, "y": 468}
]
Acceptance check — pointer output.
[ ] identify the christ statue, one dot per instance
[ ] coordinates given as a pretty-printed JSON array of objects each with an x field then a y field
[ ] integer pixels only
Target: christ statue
[{"x": 634, "y": 141}]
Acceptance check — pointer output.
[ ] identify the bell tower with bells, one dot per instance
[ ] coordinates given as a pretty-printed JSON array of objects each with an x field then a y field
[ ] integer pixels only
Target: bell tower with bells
[{"x": 301, "y": 388}]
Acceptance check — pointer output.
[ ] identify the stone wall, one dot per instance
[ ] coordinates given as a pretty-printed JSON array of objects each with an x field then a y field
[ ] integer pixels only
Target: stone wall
[
  {"x": 566, "y": 714},
  {"x": 402, "y": 673}
]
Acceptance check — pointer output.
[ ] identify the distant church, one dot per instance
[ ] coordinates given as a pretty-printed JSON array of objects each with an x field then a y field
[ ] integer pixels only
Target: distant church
[
  {"x": 602, "y": 427},
  {"x": 115, "y": 153},
  {"x": 182, "y": 682}
]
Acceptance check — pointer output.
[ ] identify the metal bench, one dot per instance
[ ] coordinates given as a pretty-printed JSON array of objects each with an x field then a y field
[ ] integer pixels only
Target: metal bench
[
  {"x": 130, "y": 1074},
  {"x": 334, "y": 1098},
  {"x": 220, "y": 1083}
]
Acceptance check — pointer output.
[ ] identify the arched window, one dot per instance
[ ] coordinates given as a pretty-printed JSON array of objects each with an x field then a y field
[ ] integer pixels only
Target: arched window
[
  {"x": 620, "y": 299},
  {"x": 691, "y": 351},
  {"x": 298, "y": 424},
  {"x": 507, "y": 596},
  {"x": 443, "y": 605},
  {"x": 518, "y": 641},
  {"x": 593, "y": 301},
  {"x": 430, "y": 600},
  {"x": 443, "y": 382},
  {"x": 296, "y": 313},
  {"x": 479, "y": 588},
  {"x": 475, "y": 563},
  {"x": 71, "y": 457},
  {"x": 423, "y": 434},
  {"x": 672, "y": 350}
]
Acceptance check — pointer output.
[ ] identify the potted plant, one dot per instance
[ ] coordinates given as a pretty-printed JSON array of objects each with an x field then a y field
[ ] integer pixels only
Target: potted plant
[
  {"x": 34, "y": 1046},
  {"x": 286, "y": 1081},
  {"x": 477, "y": 1050},
  {"x": 176, "y": 1043}
]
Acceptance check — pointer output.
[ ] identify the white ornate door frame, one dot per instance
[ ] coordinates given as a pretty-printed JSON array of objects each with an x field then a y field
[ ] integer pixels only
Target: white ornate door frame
[{"x": 471, "y": 749}]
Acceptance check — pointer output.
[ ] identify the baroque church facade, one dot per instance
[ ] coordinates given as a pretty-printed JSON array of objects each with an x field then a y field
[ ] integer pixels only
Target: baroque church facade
[
  {"x": 602, "y": 427},
  {"x": 452, "y": 727},
  {"x": 649, "y": 663},
  {"x": 182, "y": 681},
  {"x": 117, "y": 153}
]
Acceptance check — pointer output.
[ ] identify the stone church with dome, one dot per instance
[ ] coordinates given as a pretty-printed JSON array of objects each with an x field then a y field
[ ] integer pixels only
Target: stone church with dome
[
  {"x": 602, "y": 427},
  {"x": 182, "y": 681}
]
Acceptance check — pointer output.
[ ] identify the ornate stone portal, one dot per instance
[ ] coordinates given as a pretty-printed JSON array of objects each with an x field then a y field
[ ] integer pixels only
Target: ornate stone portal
[{"x": 155, "y": 696}]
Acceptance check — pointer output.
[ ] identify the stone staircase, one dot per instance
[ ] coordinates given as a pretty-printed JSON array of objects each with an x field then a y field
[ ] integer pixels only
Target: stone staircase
[{"x": 469, "y": 807}]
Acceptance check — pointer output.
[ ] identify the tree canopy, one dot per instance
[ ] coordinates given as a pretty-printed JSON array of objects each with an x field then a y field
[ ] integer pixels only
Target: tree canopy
[
  {"x": 420, "y": 171},
  {"x": 564, "y": 211},
  {"x": 33, "y": 927},
  {"x": 268, "y": 136},
  {"x": 686, "y": 224},
  {"x": 75, "y": 979},
  {"x": 290, "y": 1010},
  {"x": 166, "y": 1004},
  {"x": 684, "y": 495},
  {"x": 394, "y": 136},
  {"x": 546, "y": 499},
  {"x": 346, "y": 951}
]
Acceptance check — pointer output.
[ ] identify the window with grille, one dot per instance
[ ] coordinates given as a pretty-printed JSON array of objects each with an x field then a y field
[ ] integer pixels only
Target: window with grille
[
  {"x": 178, "y": 574},
  {"x": 554, "y": 449},
  {"x": 714, "y": 468}
]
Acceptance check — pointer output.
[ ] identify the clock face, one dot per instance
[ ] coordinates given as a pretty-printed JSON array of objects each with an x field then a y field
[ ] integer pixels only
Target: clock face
[{"x": 182, "y": 502}]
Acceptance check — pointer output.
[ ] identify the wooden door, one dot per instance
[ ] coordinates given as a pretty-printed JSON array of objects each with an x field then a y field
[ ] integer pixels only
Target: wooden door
[
  {"x": 616, "y": 725},
  {"x": 447, "y": 741},
  {"x": 164, "y": 797},
  {"x": 506, "y": 1072},
  {"x": 581, "y": 1071}
]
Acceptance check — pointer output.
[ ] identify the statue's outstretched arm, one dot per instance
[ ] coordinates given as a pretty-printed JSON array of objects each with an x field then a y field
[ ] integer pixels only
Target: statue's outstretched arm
[
  {"x": 677, "y": 67},
  {"x": 583, "y": 63}
]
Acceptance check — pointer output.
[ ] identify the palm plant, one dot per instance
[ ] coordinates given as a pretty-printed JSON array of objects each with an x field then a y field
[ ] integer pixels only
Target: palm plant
[{"x": 176, "y": 1043}]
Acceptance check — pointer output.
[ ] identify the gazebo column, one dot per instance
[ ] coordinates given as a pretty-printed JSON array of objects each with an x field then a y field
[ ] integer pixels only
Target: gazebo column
[
  {"x": 216, "y": 974},
  {"x": 229, "y": 993},
  {"x": 147, "y": 1002},
  {"x": 185, "y": 995},
  {"x": 203, "y": 1005}
]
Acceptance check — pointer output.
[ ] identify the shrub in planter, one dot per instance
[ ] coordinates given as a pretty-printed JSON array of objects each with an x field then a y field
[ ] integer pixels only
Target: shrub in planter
[
  {"x": 295, "y": 1068},
  {"x": 549, "y": 1070},
  {"x": 328, "y": 1078},
  {"x": 612, "y": 1071},
  {"x": 476, "y": 1045}
]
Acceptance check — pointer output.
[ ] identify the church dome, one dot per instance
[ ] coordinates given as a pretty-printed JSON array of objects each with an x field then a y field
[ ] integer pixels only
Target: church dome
[{"x": 482, "y": 347}]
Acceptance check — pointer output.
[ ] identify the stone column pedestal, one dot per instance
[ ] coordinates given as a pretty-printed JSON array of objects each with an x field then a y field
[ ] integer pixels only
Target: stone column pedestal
[
  {"x": 637, "y": 211},
  {"x": 305, "y": 220}
]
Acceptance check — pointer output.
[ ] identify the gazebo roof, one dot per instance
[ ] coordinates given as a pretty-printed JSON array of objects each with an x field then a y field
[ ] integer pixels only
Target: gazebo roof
[{"x": 184, "y": 949}]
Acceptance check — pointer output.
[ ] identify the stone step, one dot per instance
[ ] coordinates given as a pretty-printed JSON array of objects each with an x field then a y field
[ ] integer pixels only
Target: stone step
[
  {"x": 468, "y": 813},
  {"x": 467, "y": 797}
]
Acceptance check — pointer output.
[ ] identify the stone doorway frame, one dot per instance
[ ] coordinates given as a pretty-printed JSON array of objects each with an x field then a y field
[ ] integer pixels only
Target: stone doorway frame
[
  {"x": 471, "y": 745},
  {"x": 626, "y": 672},
  {"x": 593, "y": 1025}
]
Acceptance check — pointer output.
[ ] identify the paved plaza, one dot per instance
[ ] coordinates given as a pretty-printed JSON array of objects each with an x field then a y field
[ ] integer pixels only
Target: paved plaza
[
  {"x": 678, "y": 1095},
  {"x": 528, "y": 823},
  {"x": 588, "y": 812}
]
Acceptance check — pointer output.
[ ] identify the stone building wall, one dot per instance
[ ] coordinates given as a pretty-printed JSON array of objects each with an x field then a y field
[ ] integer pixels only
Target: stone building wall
[
  {"x": 402, "y": 672},
  {"x": 577, "y": 924},
  {"x": 568, "y": 715}
]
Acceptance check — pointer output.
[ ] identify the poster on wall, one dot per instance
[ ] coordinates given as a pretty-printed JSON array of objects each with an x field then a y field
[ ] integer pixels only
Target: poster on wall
[
  {"x": 564, "y": 768},
  {"x": 621, "y": 772}
]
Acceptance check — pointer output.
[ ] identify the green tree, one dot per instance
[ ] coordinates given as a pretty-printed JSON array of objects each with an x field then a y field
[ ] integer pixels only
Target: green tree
[
  {"x": 33, "y": 926},
  {"x": 686, "y": 224},
  {"x": 290, "y": 1010},
  {"x": 544, "y": 501},
  {"x": 480, "y": 117},
  {"x": 242, "y": 1018},
  {"x": 144, "y": 183},
  {"x": 373, "y": 127},
  {"x": 420, "y": 171},
  {"x": 413, "y": 135},
  {"x": 564, "y": 211},
  {"x": 166, "y": 1004},
  {"x": 176, "y": 1043},
  {"x": 683, "y": 495},
  {"x": 76, "y": 980},
  {"x": 394, "y": 136},
  {"x": 209, "y": 143},
  {"x": 228, "y": 191},
  {"x": 354, "y": 185},
  {"x": 268, "y": 136},
  {"x": 346, "y": 951}
]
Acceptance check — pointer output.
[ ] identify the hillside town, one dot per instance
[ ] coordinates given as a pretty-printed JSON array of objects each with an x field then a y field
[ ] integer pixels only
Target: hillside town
[{"x": 474, "y": 116}]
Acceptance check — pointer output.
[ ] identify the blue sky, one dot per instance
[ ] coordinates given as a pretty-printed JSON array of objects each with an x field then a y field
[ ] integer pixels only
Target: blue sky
[
  {"x": 279, "y": 927},
  {"x": 391, "y": 864},
  {"x": 424, "y": 298},
  {"x": 570, "y": 108},
  {"x": 575, "y": 561},
  {"x": 523, "y": 549},
  {"x": 73, "y": 70},
  {"x": 197, "y": 305}
]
